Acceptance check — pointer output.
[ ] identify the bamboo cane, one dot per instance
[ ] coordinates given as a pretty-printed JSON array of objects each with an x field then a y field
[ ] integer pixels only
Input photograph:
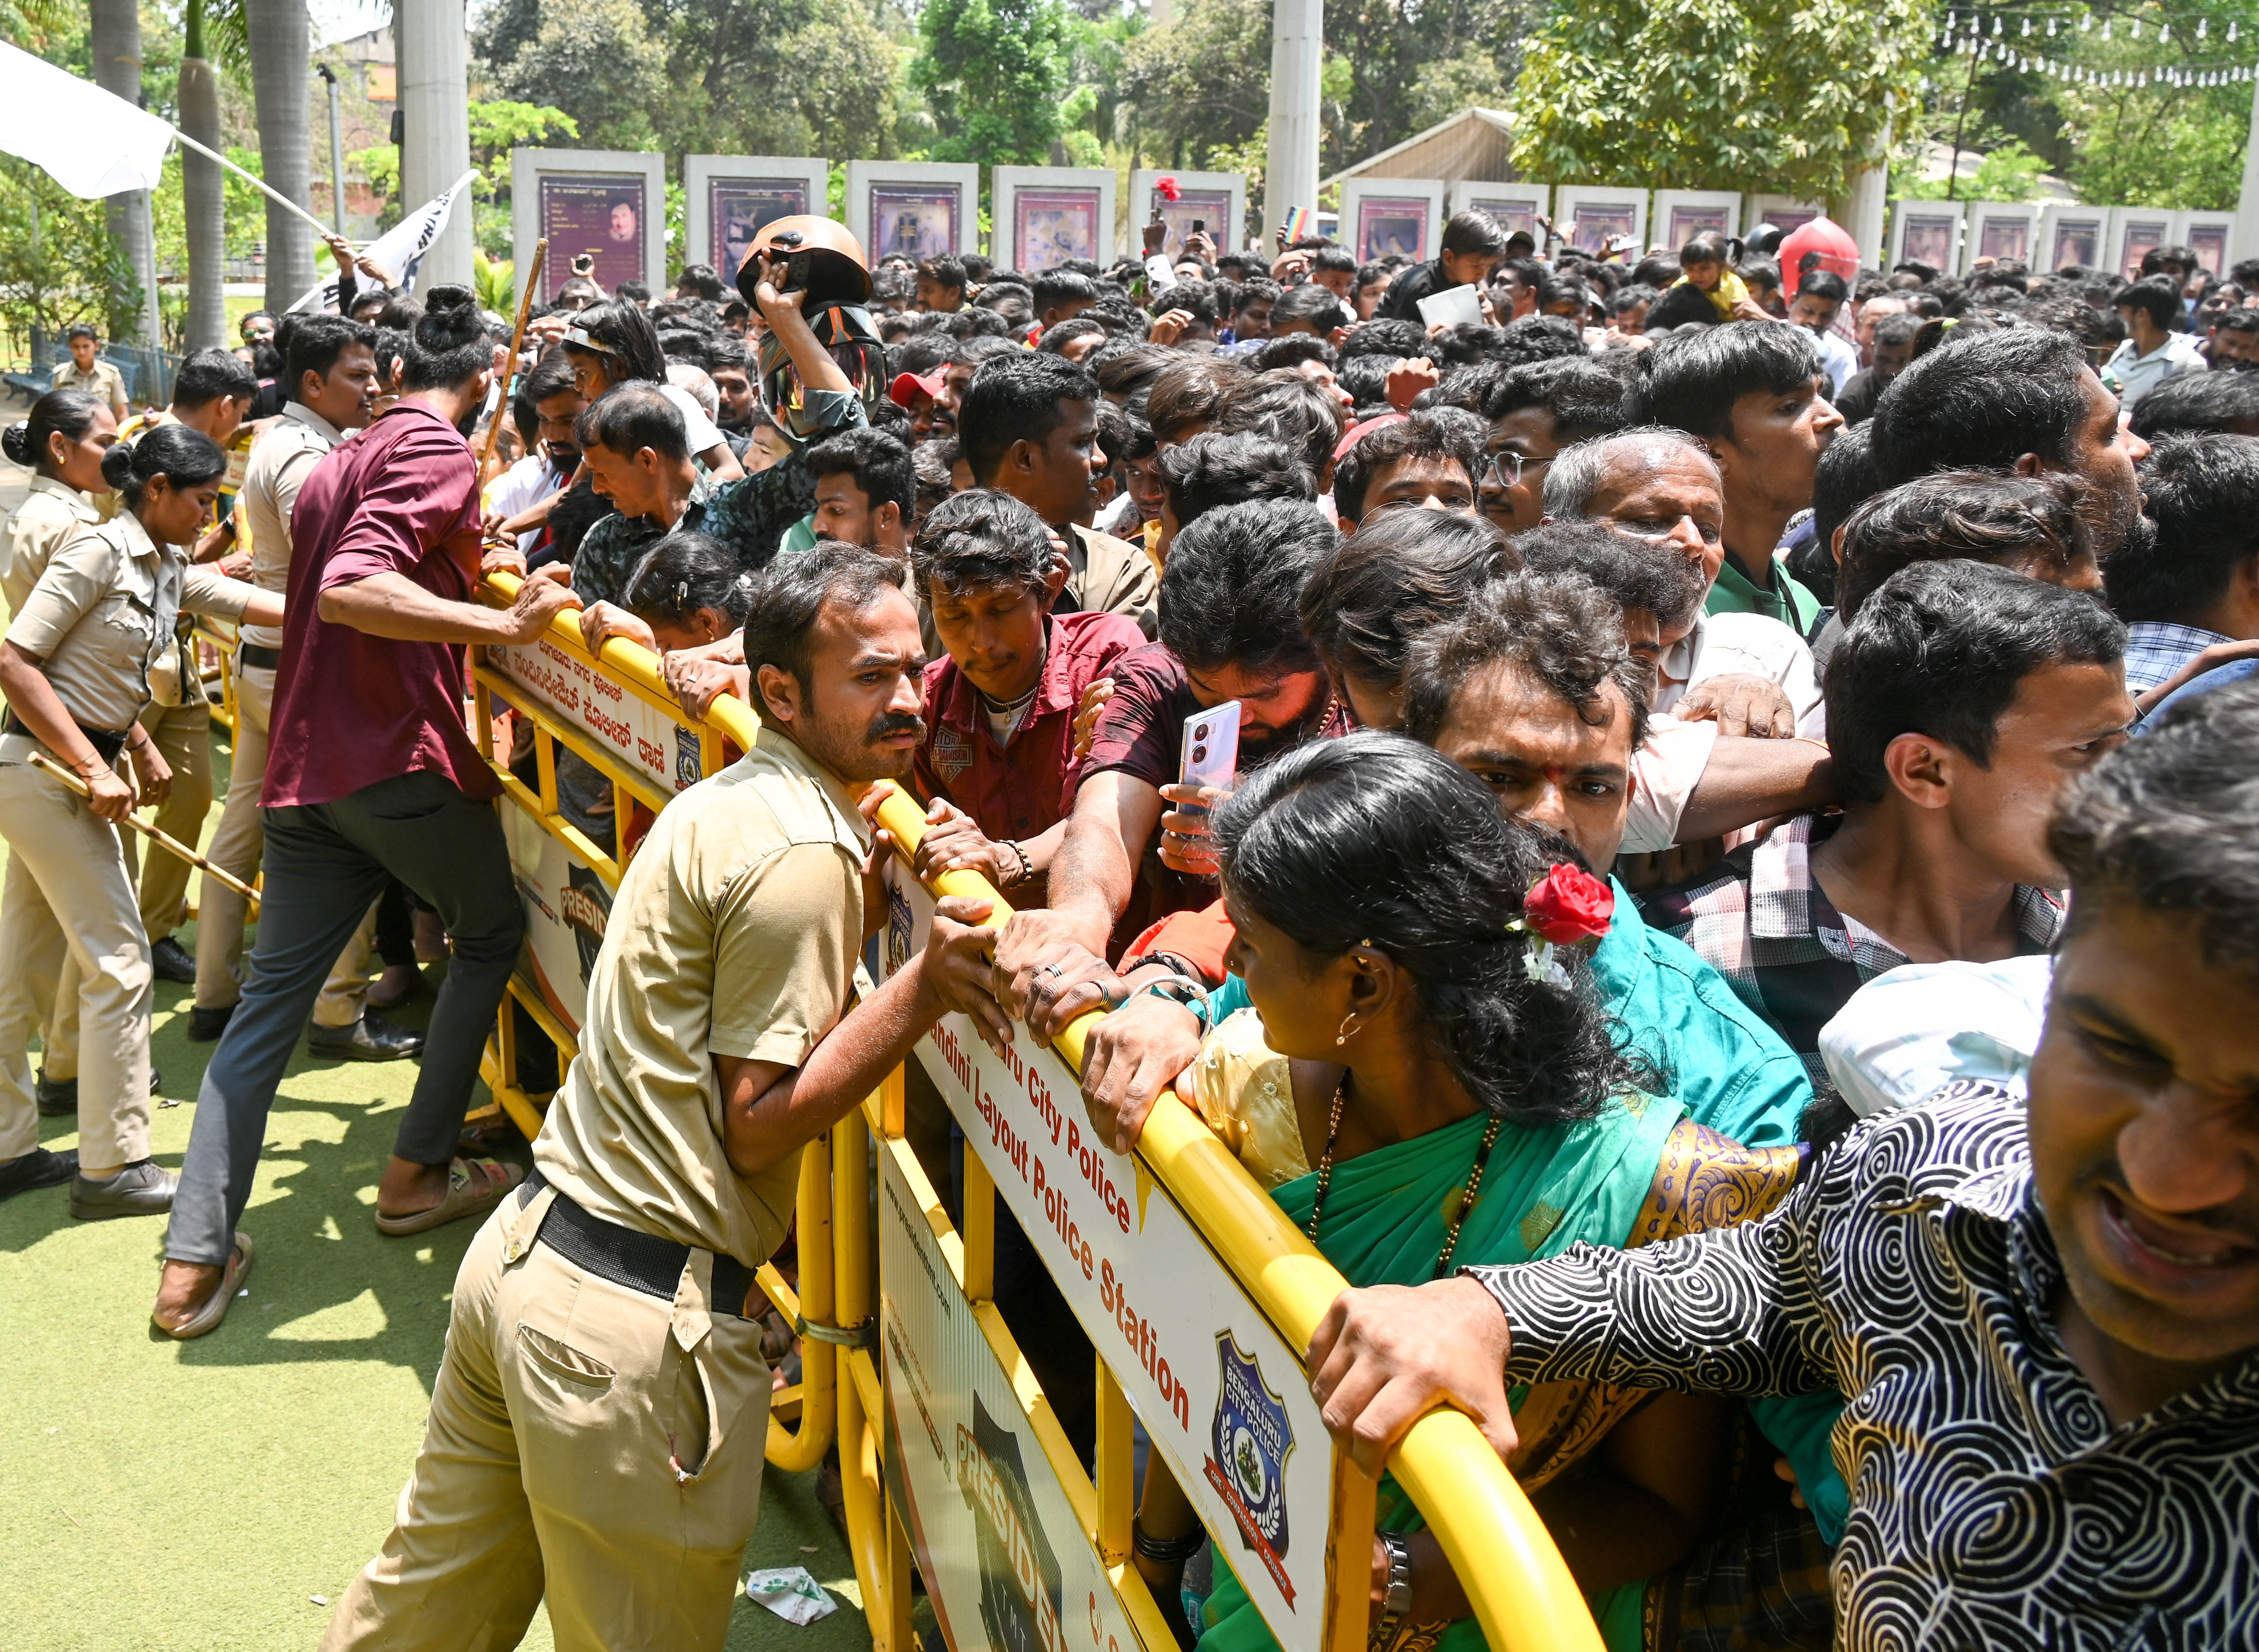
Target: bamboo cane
[
  {"x": 526, "y": 287},
  {"x": 164, "y": 841}
]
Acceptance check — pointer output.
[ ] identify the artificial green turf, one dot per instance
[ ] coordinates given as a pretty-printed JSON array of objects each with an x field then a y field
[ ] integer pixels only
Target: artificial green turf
[{"x": 156, "y": 1494}]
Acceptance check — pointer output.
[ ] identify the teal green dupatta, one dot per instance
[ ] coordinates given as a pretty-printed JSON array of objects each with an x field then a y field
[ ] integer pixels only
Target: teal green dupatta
[{"x": 1385, "y": 1219}]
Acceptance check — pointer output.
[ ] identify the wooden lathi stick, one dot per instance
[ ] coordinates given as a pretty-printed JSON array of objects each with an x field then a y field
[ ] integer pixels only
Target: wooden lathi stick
[{"x": 164, "y": 841}]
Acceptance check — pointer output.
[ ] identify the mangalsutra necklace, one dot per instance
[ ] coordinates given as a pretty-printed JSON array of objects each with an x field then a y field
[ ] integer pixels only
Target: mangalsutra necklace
[{"x": 1466, "y": 1201}]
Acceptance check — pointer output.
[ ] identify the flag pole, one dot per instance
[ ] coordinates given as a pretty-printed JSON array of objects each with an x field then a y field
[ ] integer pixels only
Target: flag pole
[{"x": 256, "y": 182}]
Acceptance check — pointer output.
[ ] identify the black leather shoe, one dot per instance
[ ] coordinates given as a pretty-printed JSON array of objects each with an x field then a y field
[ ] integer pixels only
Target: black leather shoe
[
  {"x": 56, "y": 1098},
  {"x": 141, "y": 1189},
  {"x": 371, "y": 1038},
  {"x": 204, "y": 1025},
  {"x": 37, "y": 1168},
  {"x": 171, "y": 961}
]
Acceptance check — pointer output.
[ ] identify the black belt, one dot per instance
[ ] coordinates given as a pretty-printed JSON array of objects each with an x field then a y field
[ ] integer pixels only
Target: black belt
[
  {"x": 102, "y": 740},
  {"x": 640, "y": 1261},
  {"x": 260, "y": 659}
]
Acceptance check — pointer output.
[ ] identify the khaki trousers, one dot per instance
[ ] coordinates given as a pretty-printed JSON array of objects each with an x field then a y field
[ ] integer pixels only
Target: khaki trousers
[
  {"x": 237, "y": 846},
  {"x": 585, "y": 1439},
  {"x": 183, "y": 734},
  {"x": 67, "y": 908}
]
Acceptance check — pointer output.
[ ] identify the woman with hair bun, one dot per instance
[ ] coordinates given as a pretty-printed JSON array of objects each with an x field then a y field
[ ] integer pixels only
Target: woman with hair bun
[
  {"x": 62, "y": 442},
  {"x": 1424, "y": 1082},
  {"x": 89, "y": 648}
]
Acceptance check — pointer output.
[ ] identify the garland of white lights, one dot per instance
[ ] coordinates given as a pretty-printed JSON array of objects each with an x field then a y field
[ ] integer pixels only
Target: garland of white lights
[{"x": 1972, "y": 40}]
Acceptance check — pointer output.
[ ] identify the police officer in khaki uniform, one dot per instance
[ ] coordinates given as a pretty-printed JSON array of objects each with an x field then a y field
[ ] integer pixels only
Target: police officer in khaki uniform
[
  {"x": 86, "y": 370},
  {"x": 84, "y": 657},
  {"x": 598, "y": 1424},
  {"x": 212, "y": 393},
  {"x": 63, "y": 442}
]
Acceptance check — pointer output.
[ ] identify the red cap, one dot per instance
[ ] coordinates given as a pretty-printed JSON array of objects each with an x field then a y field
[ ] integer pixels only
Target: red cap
[
  {"x": 908, "y": 387},
  {"x": 1357, "y": 433}
]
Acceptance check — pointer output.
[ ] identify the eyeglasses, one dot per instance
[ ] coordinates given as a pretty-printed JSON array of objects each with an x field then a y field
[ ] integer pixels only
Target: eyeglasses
[{"x": 1507, "y": 468}]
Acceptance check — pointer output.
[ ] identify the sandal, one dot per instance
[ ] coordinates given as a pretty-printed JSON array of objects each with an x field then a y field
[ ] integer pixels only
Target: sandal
[
  {"x": 207, "y": 1318},
  {"x": 474, "y": 1186}
]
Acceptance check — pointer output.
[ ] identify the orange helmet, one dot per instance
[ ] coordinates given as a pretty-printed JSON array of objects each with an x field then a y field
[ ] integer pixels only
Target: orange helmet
[{"x": 820, "y": 255}]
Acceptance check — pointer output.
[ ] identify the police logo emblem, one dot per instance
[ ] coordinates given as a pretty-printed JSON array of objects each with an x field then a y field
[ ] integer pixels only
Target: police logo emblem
[{"x": 1251, "y": 1438}]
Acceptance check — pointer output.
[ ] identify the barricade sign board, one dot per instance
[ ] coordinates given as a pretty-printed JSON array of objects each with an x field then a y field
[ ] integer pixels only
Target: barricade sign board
[
  {"x": 567, "y": 905},
  {"x": 1220, "y": 1393},
  {"x": 645, "y": 739},
  {"x": 1006, "y": 1562}
]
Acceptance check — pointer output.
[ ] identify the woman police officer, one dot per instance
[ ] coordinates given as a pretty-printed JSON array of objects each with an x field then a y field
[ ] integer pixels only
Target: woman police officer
[{"x": 88, "y": 650}]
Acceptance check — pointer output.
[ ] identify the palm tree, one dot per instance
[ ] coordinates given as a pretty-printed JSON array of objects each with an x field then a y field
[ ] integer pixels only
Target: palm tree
[
  {"x": 116, "y": 40},
  {"x": 205, "y": 207},
  {"x": 282, "y": 48}
]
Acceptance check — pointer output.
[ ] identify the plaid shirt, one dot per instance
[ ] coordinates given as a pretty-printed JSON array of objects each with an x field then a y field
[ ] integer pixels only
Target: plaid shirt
[
  {"x": 1770, "y": 930},
  {"x": 2155, "y": 648}
]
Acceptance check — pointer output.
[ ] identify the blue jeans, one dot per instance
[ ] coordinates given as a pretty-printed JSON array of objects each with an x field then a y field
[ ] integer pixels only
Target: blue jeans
[{"x": 327, "y": 864}]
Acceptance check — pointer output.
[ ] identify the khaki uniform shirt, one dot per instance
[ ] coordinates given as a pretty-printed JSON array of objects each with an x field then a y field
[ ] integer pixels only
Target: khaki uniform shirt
[
  {"x": 37, "y": 527},
  {"x": 285, "y": 456},
  {"x": 103, "y": 381},
  {"x": 734, "y": 932},
  {"x": 101, "y": 616},
  {"x": 1113, "y": 576}
]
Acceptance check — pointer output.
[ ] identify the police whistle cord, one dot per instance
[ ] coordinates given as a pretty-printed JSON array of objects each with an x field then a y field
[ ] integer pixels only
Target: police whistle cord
[{"x": 170, "y": 844}]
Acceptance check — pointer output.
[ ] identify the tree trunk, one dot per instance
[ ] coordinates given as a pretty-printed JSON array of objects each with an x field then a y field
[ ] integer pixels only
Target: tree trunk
[
  {"x": 202, "y": 205},
  {"x": 116, "y": 40},
  {"x": 282, "y": 52}
]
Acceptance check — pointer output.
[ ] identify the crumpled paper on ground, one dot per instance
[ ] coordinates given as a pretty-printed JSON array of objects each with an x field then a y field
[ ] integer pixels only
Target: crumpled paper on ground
[{"x": 792, "y": 1592}]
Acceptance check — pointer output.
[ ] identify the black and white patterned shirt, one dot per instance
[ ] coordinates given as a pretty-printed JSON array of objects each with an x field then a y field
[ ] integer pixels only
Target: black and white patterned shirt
[{"x": 1992, "y": 1503}]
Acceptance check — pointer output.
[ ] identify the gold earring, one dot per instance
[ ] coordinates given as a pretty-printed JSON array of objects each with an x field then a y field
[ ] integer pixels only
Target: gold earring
[{"x": 1341, "y": 1037}]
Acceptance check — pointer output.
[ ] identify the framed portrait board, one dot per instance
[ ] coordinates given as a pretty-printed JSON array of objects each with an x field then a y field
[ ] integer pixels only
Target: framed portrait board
[
  {"x": 1680, "y": 215},
  {"x": 1517, "y": 206},
  {"x": 913, "y": 208},
  {"x": 1925, "y": 232},
  {"x": 1590, "y": 217},
  {"x": 2207, "y": 234},
  {"x": 2071, "y": 234},
  {"x": 729, "y": 199},
  {"x": 1383, "y": 216},
  {"x": 1043, "y": 217},
  {"x": 1216, "y": 200},
  {"x": 1999, "y": 230},
  {"x": 606, "y": 205},
  {"x": 2134, "y": 232},
  {"x": 1785, "y": 213}
]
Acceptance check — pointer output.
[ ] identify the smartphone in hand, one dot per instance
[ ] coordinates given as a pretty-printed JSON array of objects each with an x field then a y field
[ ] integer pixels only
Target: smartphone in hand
[{"x": 1210, "y": 752}]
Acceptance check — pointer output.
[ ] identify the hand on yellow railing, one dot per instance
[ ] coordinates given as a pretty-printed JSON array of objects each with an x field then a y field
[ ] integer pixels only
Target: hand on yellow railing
[
  {"x": 1040, "y": 966},
  {"x": 954, "y": 841},
  {"x": 1384, "y": 1357},
  {"x": 961, "y": 951},
  {"x": 697, "y": 681},
  {"x": 539, "y": 600},
  {"x": 1130, "y": 1058},
  {"x": 605, "y": 621}
]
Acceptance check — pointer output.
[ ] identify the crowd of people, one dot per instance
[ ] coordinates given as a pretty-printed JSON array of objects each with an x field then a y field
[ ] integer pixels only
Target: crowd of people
[{"x": 1731, "y": 924}]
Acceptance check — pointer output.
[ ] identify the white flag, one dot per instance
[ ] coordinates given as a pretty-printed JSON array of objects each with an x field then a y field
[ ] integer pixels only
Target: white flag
[
  {"x": 92, "y": 142},
  {"x": 401, "y": 248}
]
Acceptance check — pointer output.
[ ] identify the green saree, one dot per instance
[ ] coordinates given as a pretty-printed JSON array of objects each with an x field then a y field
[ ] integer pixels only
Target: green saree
[{"x": 1386, "y": 1218}]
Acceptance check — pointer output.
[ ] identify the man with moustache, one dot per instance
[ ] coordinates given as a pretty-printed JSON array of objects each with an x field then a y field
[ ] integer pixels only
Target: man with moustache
[{"x": 598, "y": 1424}]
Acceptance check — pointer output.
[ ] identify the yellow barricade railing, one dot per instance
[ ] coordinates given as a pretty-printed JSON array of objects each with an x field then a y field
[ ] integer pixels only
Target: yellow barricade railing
[{"x": 1520, "y": 1588}]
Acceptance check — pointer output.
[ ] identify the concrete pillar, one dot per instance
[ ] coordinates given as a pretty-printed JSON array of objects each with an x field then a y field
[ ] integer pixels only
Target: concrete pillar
[
  {"x": 2244, "y": 242},
  {"x": 1290, "y": 177},
  {"x": 434, "y": 51},
  {"x": 1864, "y": 213}
]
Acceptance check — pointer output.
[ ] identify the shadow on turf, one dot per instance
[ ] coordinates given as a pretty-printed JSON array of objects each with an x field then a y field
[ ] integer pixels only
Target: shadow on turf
[{"x": 318, "y": 1244}]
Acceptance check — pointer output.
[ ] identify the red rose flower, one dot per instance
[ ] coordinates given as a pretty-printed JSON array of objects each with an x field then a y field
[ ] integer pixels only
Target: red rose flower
[
  {"x": 1568, "y": 905},
  {"x": 1167, "y": 189}
]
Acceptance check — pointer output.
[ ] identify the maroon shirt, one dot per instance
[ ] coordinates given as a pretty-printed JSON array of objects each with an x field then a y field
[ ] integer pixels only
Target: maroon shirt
[
  {"x": 1021, "y": 790},
  {"x": 352, "y": 709}
]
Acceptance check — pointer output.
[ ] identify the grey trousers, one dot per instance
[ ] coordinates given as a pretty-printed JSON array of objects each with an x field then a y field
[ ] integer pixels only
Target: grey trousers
[{"x": 327, "y": 864}]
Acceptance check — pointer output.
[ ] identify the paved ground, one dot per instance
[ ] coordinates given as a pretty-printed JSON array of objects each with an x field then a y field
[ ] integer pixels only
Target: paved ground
[{"x": 173, "y": 1496}]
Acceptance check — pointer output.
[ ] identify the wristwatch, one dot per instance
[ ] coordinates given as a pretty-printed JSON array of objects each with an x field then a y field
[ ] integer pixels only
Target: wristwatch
[{"x": 1396, "y": 1601}]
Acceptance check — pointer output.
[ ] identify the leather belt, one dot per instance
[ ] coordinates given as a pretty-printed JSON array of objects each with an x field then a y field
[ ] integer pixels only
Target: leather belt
[
  {"x": 640, "y": 1261},
  {"x": 108, "y": 744},
  {"x": 258, "y": 659}
]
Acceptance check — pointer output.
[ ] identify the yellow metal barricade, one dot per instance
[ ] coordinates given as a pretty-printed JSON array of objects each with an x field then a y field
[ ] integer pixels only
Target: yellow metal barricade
[{"x": 1520, "y": 1590}]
